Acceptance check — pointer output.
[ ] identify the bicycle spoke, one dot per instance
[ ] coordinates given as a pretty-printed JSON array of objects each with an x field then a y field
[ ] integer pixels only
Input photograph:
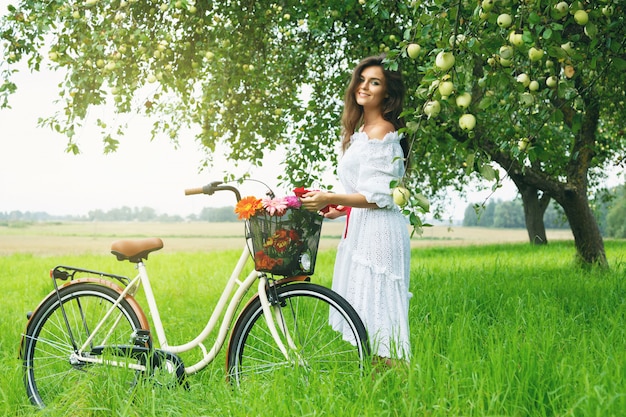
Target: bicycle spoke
[{"x": 303, "y": 319}]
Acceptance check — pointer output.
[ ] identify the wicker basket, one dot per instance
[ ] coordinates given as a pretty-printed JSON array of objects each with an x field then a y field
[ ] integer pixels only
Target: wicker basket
[{"x": 286, "y": 245}]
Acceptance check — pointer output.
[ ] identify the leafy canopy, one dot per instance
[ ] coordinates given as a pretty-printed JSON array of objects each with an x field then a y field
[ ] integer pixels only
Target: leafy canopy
[{"x": 263, "y": 75}]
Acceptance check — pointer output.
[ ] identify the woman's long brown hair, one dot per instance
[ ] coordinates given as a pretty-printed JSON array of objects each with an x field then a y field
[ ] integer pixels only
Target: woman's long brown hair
[{"x": 392, "y": 106}]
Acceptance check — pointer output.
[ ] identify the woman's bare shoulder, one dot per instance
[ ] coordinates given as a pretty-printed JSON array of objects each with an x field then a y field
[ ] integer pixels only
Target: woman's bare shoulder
[{"x": 380, "y": 130}]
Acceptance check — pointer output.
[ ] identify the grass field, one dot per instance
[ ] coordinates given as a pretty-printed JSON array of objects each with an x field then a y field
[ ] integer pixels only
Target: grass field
[{"x": 499, "y": 328}]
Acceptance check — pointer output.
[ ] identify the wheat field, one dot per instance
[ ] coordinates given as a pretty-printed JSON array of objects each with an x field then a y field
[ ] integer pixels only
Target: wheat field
[{"x": 62, "y": 238}]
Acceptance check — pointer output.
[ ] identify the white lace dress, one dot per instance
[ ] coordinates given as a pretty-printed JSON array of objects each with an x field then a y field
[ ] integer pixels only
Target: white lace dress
[{"x": 373, "y": 258}]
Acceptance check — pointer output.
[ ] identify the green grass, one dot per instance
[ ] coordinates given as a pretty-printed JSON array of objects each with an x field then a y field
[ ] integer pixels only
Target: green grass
[{"x": 506, "y": 330}]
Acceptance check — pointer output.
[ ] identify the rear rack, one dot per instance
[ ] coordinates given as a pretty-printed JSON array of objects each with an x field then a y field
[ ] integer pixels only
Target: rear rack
[{"x": 64, "y": 273}]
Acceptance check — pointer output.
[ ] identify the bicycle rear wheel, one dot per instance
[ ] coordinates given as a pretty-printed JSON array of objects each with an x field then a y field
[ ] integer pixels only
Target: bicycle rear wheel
[
  {"x": 52, "y": 366},
  {"x": 303, "y": 309}
]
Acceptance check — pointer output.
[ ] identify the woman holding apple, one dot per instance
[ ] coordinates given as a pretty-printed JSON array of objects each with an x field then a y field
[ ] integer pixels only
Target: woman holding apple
[{"x": 373, "y": 257}]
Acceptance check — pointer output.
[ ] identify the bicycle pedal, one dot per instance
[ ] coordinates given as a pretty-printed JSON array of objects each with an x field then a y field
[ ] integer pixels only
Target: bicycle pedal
[{"x": 140, "y": 337}]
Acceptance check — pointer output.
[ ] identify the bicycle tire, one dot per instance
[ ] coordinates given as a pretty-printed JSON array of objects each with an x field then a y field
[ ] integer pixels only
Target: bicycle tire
[
  {"x": 50, "y": 371},
  {"x": 305, "y": 307}
]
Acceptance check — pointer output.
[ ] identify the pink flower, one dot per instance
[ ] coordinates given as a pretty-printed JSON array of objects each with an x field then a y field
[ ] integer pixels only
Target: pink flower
[
  {"x": 276, "y": 206},
  {"x": 293, "y": 201}
]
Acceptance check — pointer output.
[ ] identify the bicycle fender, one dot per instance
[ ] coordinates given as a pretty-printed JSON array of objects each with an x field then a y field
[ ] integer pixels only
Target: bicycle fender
[{"x": 96, "y": 281}]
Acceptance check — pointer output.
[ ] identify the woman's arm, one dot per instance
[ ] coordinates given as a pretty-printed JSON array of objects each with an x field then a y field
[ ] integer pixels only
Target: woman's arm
[{"x": 317, "y": 200}]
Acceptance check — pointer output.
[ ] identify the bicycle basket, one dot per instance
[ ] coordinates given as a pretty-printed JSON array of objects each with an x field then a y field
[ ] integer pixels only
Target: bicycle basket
[{"x": 285, "y": 245}]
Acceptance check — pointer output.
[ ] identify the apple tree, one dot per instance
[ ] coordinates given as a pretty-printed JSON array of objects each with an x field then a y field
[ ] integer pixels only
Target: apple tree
[
  {"x": 532, "y": 86},
  {"x": 536, "y": 87}
]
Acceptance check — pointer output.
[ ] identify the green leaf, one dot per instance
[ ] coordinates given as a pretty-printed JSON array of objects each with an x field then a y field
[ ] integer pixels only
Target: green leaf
[
  {"x": 534, "y": 18},
  {"x": 577, "y": 122},
  {"x": 557, "y": 116},
  {"x": 547, "y": 34},
  {"x": 488, "y": 172},
  {"x": 422, "y": 202},
  {"x": 469, "y": 163},
  {"x": 486, "y": 102},
  {"x": 619, "y": 63}
]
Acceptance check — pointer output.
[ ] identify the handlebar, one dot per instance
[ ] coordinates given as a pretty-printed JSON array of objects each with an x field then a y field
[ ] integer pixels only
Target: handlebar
[{"x": 212, "y": 187}]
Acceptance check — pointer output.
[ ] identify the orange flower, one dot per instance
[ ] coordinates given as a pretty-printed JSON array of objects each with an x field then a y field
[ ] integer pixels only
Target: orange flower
[
  {"x": 264, "y": 262},
  {"x": 247, "y": 207}
]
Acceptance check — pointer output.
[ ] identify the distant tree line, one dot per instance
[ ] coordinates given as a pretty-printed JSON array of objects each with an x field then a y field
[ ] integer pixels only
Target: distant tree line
[
  {"x": 509, "y": 214},
  {"x": 609, "y": 208},
  {"x": 143, "y": 214}
]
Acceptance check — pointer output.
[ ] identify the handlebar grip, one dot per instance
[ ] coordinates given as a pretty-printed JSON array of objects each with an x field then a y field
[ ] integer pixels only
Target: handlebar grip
[{"x": 192, "y": 191}]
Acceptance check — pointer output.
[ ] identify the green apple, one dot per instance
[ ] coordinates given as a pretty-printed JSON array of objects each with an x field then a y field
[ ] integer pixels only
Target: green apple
[
  {"x": 607, "y": 11},
  {"x": 53, "y": 56},
  {"x": 413, "y": 50},
  {"x": 506, "y": 52},
  {"x": 432, "y": 108},
  {"x": 533, "y": 85},
  {"x": 567, "y": 47},
  {"x": 504, "y": 20},
  {"x": 464, "y": 100},
  {"x": 581, "y": 17},
  {"x": 444, "y": 60},
  {"x": 560, "y": 9},
  {"x": 524, "y": 79},
  {"x": 460, "y": 38},
  {"x": 522, "y": 144},
  {"x": 151, "y": 78},
  {"x": 535, "y": 54},
  {"x": 400, "y": 196},
  {"x": 552, "y": 81},
  {"x": 591, "y": 30},
  {"x": 505, "y": 62},
  {"x": 446, "y": 88},
  {"x": 487, "y": 5},
  {"x": 467, "y": 121},
  {"x": 516, "y": 39}
]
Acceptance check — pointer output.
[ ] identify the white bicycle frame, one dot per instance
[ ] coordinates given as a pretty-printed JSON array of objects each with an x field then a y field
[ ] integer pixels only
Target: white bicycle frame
[{"x": 222, "y": 304}]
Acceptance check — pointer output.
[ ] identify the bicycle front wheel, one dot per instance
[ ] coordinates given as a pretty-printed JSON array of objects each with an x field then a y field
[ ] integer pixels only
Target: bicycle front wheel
[
  {"x": 53, "y": 366},
  {"x": 301, "y": 314}
]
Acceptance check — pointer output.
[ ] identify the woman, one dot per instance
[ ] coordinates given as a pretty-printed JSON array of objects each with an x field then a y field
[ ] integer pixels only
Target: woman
[{"x": 373, "y": 257}]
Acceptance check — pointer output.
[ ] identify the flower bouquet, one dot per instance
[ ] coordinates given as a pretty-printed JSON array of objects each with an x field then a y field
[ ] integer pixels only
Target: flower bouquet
[{"x": 284, "y": 236}]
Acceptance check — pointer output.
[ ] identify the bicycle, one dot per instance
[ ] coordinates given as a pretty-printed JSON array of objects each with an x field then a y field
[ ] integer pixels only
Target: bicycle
[{"x": 93, "y": 325}]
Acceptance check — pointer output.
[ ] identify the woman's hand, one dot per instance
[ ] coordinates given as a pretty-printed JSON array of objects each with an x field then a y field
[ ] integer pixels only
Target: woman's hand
[
  {"x": 321, "y": 201},
  {"x": 314, "y": 200},
  {"x": 335, "y": 212}
]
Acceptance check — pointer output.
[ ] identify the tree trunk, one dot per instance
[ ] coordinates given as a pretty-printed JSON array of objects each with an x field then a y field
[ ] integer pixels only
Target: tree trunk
[
  {"x": 535, "y": 205},
  {"x": 587, "y": 237}
]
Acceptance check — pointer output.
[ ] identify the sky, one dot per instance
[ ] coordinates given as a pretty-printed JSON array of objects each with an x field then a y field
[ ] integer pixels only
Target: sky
[{"x": 36, "y": 174}]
